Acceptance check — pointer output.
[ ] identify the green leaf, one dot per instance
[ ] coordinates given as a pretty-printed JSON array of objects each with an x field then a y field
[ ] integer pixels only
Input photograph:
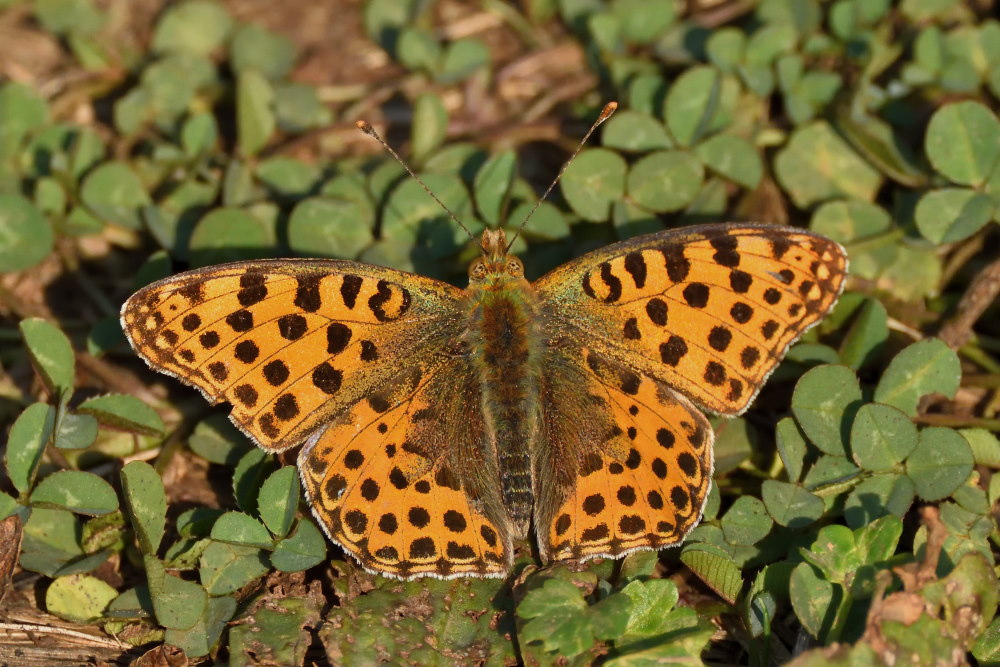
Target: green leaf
[
  {"x": 747, "y": 522},
  {"x": 952, "y": 214},
  {"x": 132, "y": 603},
  {"x": 298, "y": 107},
  {"x": 51, "y": 355},
  {"x": 824, "y": 403},
  {"x": 987, "y": 647},
  {"x": 279, "y": 500},
  {"x": 461, "y": 59},
  {"x": 80, "y": 598},
  {"x": 867, "y": 336},
  {"x": 243, "y": 529},
  {"x": 883, "y": 146},
  {"x": 199, "y": 134},
  {"x": 963, "y": 142},
  {"x": 492, "y": 185},
  {"x": 849, "y": 221},
  {"x": 77, "y": 491},
  {"x": 631, "y": 130},
  {"x": 546, "y": 224},
  {"x": 7, "y": 506},
  {"x": 279, "y": 633},
  {"x": 22, "y": 110},
  {"x": 733, "y": 444},
  {"x": 172, "y": 83},
  {"x": 197, "y": 27},
  {"x": 814, "y": 600},
  {"x": 331, "y": 227},
  {"x": 642, "y": 21},
  {"x": 725, "y": 48},
  {"x": 51, "y": 544},
  {"x": 652, "y": 602},
  {"x": 301, "y": 550},
  {"x": 124, "y": 412},
  {"x": 555, "y": 619},
  {"x": 665, "y": 181},
  {"x": 411, "y": 215},
  {"x": 430, "y": 125},
  {"x": 216, "y": 440},
  {"x": 715, "y": 567},
  {"x": 146, "y": 501},
  {"x": 254, "y": 113},
  {"x": 926, "y": 367},
  {"x": 790, "y": 505},
  {"x": 26, "y": 236},
  {"x": 645, "y": 95},
  {"x": 75, "y": 17},
  {"x": 692, "y": 104},
  {"x": 288, "y": 177},
  {"x": 418, "y": 49},
  {"x": 876, "y": 541},
  {"x": 610, "y": 616},
  {"x": 178, "y": 603},
  {"x": 201, "y": 638},
  {"x": 881, "y": 437},
  {"x": 630, "y": 220},
  {"x": 816, "y": 165},
  {"x": 941, "y": 463},
  {"x": 830, "y": 470},
  {"x": 791, "y": 445},
  {"x": 593, "y": 182},
  {"x": 76, "y": 431},
  {"x": 267, "y": 53},
  {"x": 879, "y": 495},
  {"x": 913, "y": 274},
  {"x": 733, "y": 158},
  {"x": 226, "y": 568},
  {"x": 250, "y": 472},
  {"x": 114, "y": 193},
  {"x": 26, "y": 443},
  {"x": 231, "y": 234},
  {"x": 985, "y": 446}
]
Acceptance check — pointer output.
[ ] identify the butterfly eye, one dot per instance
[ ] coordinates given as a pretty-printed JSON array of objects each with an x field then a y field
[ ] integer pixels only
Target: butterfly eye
[
  {"x": 515, "y": 267},
  {"x": 477, "y": 270}
]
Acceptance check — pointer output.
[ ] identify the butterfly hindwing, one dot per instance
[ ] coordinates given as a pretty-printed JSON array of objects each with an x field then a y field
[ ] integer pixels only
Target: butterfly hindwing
[
  {"x": 405, "y": 480},
  {"x": 635, "y": 460},
  {"x": 708, "y": 310},
  {"x": 289, "y": 343}
]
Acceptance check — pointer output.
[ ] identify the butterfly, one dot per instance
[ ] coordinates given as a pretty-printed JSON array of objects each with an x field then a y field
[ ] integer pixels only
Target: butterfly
[{"x": 440, "y": 424}]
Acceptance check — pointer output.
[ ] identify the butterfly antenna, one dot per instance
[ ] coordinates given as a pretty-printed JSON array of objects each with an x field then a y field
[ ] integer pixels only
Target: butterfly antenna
[
  {"x": 606, "y": 112},
  {"x": 366, "y": 127}
]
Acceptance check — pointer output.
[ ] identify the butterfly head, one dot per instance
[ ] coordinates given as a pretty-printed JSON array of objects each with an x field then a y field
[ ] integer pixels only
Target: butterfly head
[{"x": 495, "y": 265}]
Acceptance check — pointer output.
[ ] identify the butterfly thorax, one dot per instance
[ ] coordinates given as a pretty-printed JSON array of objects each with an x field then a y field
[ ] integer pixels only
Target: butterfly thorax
[{"x": 504, "y": 346}]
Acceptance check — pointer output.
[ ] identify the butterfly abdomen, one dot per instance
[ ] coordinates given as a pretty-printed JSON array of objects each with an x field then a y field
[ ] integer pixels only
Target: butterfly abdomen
[{"x": 506, "y": 357}]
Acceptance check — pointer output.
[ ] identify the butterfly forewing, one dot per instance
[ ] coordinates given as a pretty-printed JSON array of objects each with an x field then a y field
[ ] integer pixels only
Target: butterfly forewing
[
  {"x": 289, "y": 342},
  {"x": 708, "y": 310}
]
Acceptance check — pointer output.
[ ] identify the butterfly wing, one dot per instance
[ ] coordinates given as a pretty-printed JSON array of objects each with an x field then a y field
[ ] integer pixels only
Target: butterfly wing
[
  {"x": 355, "y": 360},
  {"x": 637, "y": 334},
  {"x": 290, "y": 344},
  {"x": 633, "y": 459},
  {"x": 406, "y": 481},
  {"x": 708, "y": 310}
]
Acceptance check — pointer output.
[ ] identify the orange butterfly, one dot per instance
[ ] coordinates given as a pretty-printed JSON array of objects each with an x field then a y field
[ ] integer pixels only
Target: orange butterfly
[{"x": 440, "y": 424}]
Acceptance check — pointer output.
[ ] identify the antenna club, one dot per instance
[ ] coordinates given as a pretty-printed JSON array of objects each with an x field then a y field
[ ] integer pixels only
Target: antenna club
[
  {"x": 606, "y": 112},
  {"x": 364, "y": 126}
]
